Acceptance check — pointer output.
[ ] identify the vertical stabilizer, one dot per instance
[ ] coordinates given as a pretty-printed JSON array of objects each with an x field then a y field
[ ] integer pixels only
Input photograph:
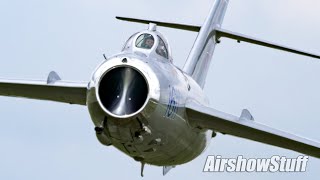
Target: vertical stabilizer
[{"x": 198, "y": 62}]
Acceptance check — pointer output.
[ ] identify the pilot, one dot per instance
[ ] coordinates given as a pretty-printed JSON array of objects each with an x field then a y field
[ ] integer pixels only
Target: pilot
[{"x": 148, "y": 43}]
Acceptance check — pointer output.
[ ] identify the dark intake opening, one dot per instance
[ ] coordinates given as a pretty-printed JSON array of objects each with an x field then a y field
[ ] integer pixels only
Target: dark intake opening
[{"x": 123, "y": 91}]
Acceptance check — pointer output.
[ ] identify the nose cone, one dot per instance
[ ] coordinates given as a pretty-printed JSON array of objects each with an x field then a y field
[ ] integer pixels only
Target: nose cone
[{"x": 123, "y": 91}]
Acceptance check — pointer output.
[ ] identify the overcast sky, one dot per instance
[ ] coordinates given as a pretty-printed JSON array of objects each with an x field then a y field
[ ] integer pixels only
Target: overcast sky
[{"x": 47, "y": 140}]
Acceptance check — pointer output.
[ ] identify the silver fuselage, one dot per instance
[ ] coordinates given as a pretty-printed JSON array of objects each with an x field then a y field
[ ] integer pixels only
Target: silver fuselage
[{"x": 158, "y": 133}]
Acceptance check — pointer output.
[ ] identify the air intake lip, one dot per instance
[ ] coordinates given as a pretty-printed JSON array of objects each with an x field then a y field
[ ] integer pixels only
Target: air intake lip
[{"x": 123, "y": 91}]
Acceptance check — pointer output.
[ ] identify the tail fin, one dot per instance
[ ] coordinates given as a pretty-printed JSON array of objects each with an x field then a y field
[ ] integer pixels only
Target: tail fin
[
  {"x": 199, "y": 59},
  {"x": 210, "y": 33},
  {"x": 197, "y": 64}
]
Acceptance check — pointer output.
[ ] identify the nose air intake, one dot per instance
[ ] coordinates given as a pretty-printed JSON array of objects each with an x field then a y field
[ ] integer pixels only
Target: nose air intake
[{"x": 123, "y": 91}]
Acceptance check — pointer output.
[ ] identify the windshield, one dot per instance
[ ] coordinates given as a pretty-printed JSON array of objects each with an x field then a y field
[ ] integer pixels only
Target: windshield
[
  {"x": 128, "y": 44},
  {"x": 145, "y": 41}
]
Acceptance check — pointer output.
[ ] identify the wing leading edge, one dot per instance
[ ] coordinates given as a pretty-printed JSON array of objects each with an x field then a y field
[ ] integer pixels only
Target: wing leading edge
[
  {"x": 53, "y": 89},
  {"x": 245, "y": 127}
]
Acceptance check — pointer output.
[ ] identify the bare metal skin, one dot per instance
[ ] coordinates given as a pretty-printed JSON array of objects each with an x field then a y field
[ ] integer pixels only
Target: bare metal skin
[{"x": 153, "y": 111}]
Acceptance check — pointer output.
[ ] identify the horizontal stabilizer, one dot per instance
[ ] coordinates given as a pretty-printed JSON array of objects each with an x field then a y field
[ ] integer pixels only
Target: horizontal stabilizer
[
  {"x": 208, "y": 118},
  {"x": 219, "y": 32},
  {"x": 164, "y": 24},
  {"x": 240, "y": 37}
]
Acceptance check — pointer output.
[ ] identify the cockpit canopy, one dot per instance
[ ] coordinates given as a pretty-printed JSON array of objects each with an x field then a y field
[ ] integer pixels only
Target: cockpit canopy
[
  {"x": 145, "y": 41},
  {"x": 149, "y": 43}
]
